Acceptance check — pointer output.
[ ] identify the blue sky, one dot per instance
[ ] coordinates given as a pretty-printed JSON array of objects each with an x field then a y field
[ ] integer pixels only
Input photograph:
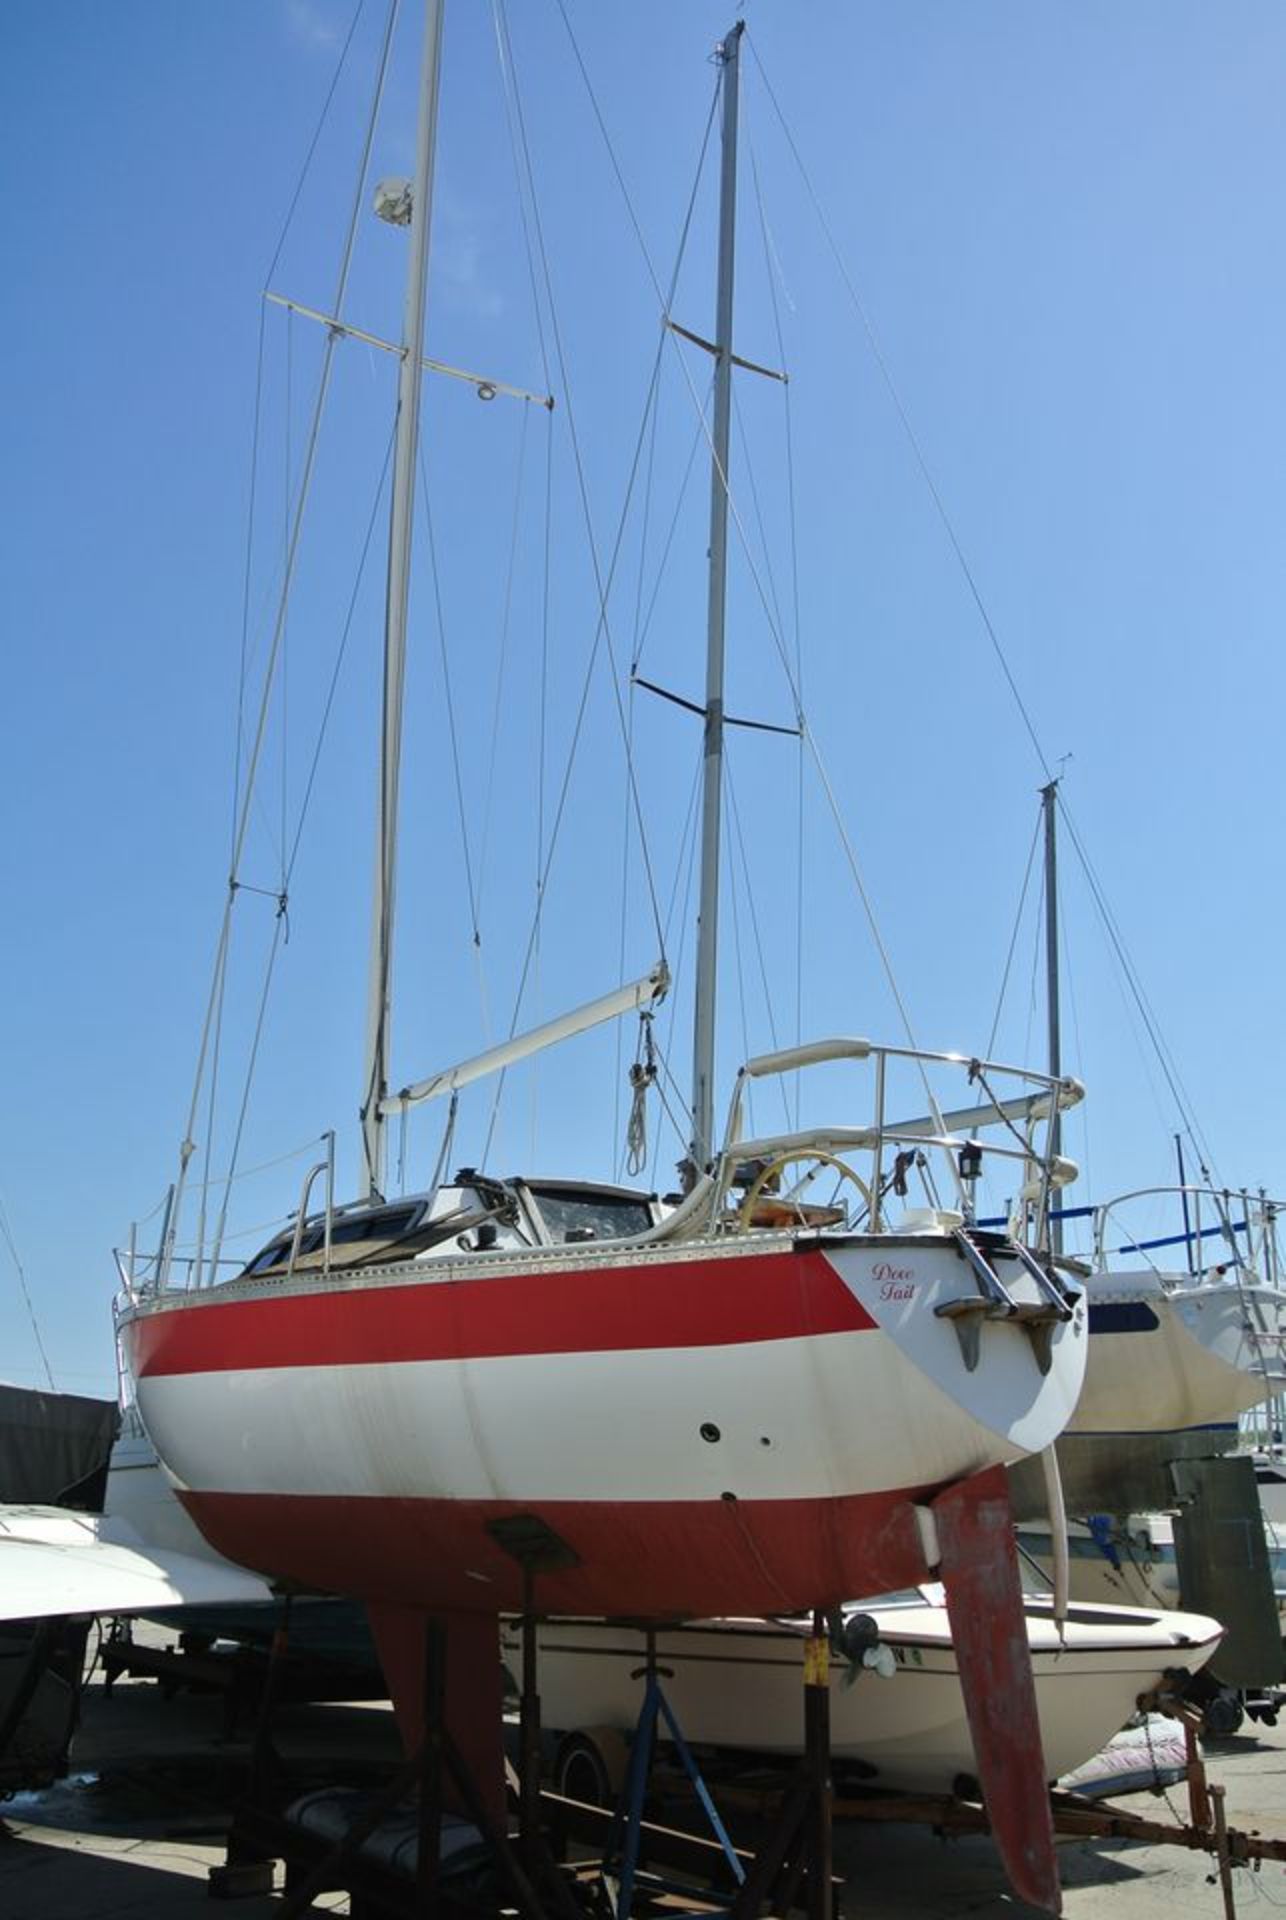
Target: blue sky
[{"x": 1064, "y": 226}]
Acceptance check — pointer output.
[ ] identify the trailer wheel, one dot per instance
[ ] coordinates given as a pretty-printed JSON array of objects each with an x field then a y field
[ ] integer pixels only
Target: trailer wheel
[
  {"x": 1223, "y": 1715},
  {"x": 590, "y": 1765}
]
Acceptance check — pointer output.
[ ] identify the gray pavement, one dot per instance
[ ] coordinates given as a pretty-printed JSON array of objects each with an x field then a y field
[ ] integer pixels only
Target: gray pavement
[{"x": 132, "y": 1834}]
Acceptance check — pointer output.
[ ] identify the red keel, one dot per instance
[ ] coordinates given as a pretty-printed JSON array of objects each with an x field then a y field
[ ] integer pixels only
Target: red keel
[
  {"x": 474, "y": 1705},
  {"x": 985, "y": 1607}
]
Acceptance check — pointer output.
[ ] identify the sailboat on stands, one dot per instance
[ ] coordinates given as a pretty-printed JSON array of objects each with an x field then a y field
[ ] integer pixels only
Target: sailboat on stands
[
  {"x": 1207, "y": 1338},
  {"x": 736, "y": 1401},
  {"x": 1219, "y": 1321}
]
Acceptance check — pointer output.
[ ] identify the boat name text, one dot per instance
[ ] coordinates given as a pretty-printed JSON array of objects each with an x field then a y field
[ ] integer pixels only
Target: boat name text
[{"x": 895, "y": 1283}]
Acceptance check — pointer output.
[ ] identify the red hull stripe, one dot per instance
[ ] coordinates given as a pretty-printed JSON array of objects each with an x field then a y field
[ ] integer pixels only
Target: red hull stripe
[
  {"x": 638, "y": 1558},
  {"x": 682, "y": 1303}
]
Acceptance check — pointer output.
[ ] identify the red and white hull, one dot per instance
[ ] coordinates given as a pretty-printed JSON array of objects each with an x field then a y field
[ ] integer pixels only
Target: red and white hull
[{"x": 714, "y": 1427}]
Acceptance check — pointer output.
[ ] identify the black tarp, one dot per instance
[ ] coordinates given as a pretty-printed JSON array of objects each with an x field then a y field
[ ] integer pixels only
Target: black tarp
[
  {"x": 54, "y": 1451},
  {"x": 1116, "y": 1473},
  {"x": 54, "y": 1447},
  {"x": 1222, "y": 1557}
]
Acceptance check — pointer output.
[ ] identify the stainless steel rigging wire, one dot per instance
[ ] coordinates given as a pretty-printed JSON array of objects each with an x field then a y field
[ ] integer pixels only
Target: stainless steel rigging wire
[
  {"x": 1013, "y": 939},
  {"x": 219, "y": 972},
  {"x": 1146, "y": 1013},
  {"x": 26, "y": 1295}
]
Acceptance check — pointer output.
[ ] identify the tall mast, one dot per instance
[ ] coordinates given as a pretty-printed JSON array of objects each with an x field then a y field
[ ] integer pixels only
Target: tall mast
[
  {"x": 1049, "y": 805},
  {"x": 379, "y": 1000},
  {"x": 1183, "y": 1195},
  {"x": 702, "y": 1144}
]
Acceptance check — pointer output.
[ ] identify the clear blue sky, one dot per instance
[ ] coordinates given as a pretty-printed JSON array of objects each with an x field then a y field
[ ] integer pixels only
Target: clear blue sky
[{"x": 1066, "y": 228}]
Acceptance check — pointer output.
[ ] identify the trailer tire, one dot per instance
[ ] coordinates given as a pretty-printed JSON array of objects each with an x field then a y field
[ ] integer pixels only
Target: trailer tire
[
  {"x": 1223, "y": 1716},
  {"x": 590, "y": 1765}
]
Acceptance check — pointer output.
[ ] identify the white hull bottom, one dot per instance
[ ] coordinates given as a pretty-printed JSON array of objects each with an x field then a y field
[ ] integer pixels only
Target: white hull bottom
[
  {"x": 739, "y": 1685},
  {"x": 1208, "y": 1350}
]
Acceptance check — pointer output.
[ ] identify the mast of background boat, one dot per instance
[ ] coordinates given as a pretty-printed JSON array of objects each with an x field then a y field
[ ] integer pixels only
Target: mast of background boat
[
  {"x": 1183, "y": 1195},
  {"x": 702, "y": 1145},
  {"x": 379, "y": 1001},
  {"x": 1054, "y": 1501},
  {"x": 1049, "y": 802}
]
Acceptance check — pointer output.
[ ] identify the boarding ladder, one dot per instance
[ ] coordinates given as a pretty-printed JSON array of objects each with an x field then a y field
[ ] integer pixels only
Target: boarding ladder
[{"x": 982, "y": 1249}]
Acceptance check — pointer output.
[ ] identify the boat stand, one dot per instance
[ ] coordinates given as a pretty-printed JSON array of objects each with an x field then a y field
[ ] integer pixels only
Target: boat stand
[
  {"x": 620, "y": 1863},
  {"x": 794, "y": 1855},
  {"x": 799, "y": 1844},
  {"x": 262, "y": 1834},
  {"x": 40, "y": 1647},
  {"x": 631, "y": 1854},
  {"x": 55, "y": 1648}
]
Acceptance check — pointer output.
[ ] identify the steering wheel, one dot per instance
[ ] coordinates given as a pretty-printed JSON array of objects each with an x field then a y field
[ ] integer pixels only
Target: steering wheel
[{"x": 813, "y": 1157}]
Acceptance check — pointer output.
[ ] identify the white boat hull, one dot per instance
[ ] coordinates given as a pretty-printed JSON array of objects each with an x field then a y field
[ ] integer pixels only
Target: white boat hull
[
  {"x": 738, "y": 1685},
  {"x": 1167, "y": 1353},
  {"x": 722, "y": 1426}
]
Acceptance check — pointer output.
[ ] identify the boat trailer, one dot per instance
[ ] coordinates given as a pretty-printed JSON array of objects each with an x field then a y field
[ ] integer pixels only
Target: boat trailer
[
  {"x": 559, "y": 1858},
  {"x": 1076, "y": 1815}
]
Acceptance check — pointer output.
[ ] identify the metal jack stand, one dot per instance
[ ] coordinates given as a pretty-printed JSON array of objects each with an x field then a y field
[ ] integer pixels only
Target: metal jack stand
[
  {"x": 246, "y": 1871},
  {"x": 530, "y": 1841},
  {"x": 537, "y": 1549},
  {"x": 800, "y": 1838},
  {"x": 261, "y": 1835},
  {"x": 438, "y": 1757},
  {"x": 625, "y": 1832}
]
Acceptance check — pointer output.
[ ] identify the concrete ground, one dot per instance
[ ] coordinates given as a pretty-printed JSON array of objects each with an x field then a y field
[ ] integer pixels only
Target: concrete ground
[
  {"x": 905, "y": 1873},
  {"x": 132, "y": 1834}
]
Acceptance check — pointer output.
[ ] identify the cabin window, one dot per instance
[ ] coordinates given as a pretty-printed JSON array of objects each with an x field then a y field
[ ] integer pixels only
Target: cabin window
[
  {"x": 371, "y": 1226},
  {"x": 592, "y": 1216},
  {"x": 274, "y": 1256},
  {"x": 355, "y": 1229}
]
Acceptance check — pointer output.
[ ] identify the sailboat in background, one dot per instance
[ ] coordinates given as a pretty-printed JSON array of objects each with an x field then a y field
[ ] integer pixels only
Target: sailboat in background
[
  {"x": 1175, "y": 1357},
  {"x": 1206, "y": 1340},
  {"x": 1219, "y": 1321},
  {"x": 745, "y": 1399}
]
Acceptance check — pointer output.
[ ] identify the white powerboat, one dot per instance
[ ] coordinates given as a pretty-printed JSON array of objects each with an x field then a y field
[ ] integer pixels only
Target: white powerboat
[{"x": 737, "y": 1684}]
